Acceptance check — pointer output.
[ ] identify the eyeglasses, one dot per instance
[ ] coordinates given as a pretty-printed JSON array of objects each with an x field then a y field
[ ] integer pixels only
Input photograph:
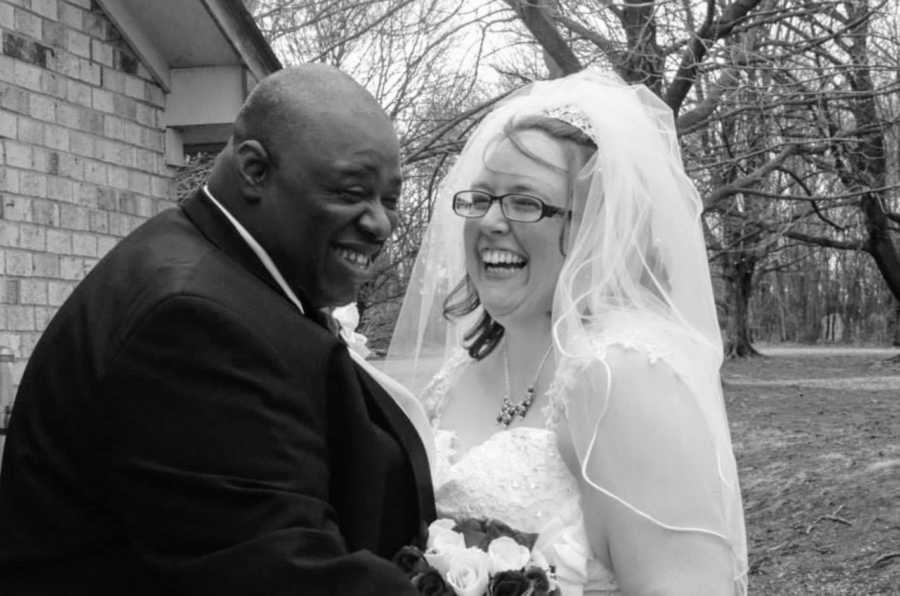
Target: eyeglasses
[{"x": 515, "y": 207}]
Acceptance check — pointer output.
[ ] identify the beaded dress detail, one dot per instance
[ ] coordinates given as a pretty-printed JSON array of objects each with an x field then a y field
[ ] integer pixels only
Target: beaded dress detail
[{"x": 519, "y": 477}]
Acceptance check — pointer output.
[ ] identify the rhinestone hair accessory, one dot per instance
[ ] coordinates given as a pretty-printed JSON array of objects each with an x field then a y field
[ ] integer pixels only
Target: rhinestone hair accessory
[{"x": 572, "y": 115}]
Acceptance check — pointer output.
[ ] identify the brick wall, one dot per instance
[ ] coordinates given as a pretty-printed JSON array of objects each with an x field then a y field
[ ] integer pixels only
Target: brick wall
[{"x": 81, "y": 156}]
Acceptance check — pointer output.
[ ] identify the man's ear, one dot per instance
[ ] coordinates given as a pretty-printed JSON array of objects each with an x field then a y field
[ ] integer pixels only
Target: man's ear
[{"x": 253, "y": 166}]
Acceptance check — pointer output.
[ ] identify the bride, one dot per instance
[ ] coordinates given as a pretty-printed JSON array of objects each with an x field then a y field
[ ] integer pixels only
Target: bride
[{"x": 564, "y": 288}]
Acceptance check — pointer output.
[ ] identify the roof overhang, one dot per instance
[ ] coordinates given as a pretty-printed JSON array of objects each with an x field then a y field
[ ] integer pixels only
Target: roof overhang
[{"x": 206, "y": 55}]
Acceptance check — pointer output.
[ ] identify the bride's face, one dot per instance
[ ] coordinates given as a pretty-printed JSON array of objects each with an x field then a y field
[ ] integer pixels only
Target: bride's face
[{"x": 514, "y": 265}]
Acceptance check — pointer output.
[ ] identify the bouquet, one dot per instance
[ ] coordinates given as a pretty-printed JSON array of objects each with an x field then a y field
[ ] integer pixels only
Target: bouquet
[{"x": 476, "y": 557}]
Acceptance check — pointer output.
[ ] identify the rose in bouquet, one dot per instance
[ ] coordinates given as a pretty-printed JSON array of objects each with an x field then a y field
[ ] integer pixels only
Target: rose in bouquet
[{"x": 476, "y": 557}]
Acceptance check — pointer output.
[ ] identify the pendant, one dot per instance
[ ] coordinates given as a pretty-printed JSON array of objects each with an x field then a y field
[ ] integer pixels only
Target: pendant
[{"x": 509, "y": 410}]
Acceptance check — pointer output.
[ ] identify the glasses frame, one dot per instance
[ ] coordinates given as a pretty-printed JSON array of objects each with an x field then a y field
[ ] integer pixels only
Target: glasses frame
[{"x": 546, "y": 210}]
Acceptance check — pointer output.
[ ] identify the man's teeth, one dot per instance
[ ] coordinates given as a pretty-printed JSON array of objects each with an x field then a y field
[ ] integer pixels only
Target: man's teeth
[
  {"x": 501, "y": 258},
  {"x": 357, "y": 258}
]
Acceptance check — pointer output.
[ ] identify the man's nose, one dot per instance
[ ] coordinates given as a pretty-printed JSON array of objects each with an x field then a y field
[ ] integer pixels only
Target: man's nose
[
  {"x": 377, "y": 221},
  {"x": 493, "y": 221}
]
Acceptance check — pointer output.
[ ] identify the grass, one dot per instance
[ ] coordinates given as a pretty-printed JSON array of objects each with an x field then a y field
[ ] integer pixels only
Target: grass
[{"x": 817, "y": 439}]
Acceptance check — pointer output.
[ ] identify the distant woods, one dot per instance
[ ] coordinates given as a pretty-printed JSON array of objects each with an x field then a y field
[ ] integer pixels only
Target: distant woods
[{"x": 787, "y": 109}]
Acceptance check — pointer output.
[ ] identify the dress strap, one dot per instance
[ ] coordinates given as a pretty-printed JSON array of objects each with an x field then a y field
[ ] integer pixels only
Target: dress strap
[{"x": 435, "y": 394}]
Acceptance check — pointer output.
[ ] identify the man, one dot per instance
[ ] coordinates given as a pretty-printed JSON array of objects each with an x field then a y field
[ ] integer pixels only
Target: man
[{"x": 188, "y": 424}]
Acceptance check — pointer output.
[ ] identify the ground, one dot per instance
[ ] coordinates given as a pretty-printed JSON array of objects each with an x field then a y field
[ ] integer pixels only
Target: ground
[{"x": 817, "y": 437}]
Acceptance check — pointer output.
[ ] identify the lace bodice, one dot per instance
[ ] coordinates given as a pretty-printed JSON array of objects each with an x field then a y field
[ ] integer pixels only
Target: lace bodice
[{"x": 519, "y": 477}]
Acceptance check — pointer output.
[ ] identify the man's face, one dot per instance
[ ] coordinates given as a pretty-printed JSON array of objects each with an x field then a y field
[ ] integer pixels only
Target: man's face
[{"x": 329, "y": 204}]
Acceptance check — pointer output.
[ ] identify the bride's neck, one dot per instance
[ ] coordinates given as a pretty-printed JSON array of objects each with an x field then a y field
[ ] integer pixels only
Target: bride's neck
[{"x": 526, "y": 344}]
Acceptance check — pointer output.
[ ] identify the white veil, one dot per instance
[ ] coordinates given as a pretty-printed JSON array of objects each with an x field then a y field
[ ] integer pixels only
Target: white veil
[{"x": 636, "y": 276}]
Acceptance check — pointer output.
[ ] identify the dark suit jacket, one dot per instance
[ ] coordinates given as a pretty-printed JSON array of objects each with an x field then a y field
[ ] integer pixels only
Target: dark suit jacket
[{"x": 181, "y": 428}]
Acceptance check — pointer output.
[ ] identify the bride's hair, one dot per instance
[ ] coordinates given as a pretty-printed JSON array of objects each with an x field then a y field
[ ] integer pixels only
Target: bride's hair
[{"x": 483, "y": 337}]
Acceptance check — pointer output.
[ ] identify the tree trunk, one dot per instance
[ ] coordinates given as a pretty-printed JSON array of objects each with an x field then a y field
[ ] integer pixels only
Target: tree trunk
[{"x": 740, "y": 286}]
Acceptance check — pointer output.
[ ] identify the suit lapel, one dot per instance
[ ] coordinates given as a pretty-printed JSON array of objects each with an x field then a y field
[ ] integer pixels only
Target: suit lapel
[{"x": 405, "y": 433}]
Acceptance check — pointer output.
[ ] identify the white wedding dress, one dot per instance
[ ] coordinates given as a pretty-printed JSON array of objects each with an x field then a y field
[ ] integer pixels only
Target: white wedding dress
[{"x": 519, "y": 477}]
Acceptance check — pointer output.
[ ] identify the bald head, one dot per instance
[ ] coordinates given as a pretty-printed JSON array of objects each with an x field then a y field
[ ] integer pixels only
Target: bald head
[{"x": 302, "y": 101}]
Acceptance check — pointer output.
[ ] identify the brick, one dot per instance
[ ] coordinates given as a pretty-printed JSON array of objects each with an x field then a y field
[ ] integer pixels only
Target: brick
[
  {"x": 27, "y": 75},
  {"x": 105, "y": 244},
  {"x": 54, "y": 34},
  {"x": 33, "y": 237},
  {"x": 75, "y": 268},
  {"x": 81, "y": 143},
  {"x": 102, "y": 100},
  {"x": 9, "y": 180},
  {"x": 114, "y": 128},
  {"x": 56, "y": 137},
  {"x": 14, "y": 99},
  {"x": 118, "y": 177},
  {"x": 30, "y": 131},
  {"x": 27, "y": 50},
  {"x": 67, "y": 114},
  {"x": 99, "y": 222},
  {"x": 103, "y": 53},
  {"x": 9, "y": 293},
  {"x": 19, "y": 262},
  {"x": 136, "y": 88},
  {"x": 118, "y": 224},
  {"x": 11, "y": 341},
  {"x": 113, "y": 80},
  {"x": 109, "y": 151},
  {"x": 144, "y": 160},
  {"x": 107, "y": 199},
  {"x": 43, "y": 162},
  {"x": 133, "y": 133},
  {"x": 128, "y": 202},
  {"x": 27, "y": 23},
  {"x": 54, "y": 84},
  {"x": 60, "y": 189},
  {"x": 59, "y": 241},
  {"x": 66, "y": 64},
  {"x": 125, "y": 107},
  {"x": 18, "y": 155},
  {"x": 79, "y": 44},
  {"x": 95, "y": 25},
  {"x": 8, "y": 124},
  {"x": 58, "y": 291},
  {"x": 74, "y": 217},
  {"x": 20, "y": 318},
  {"x": 87, "y": 195},
  {"x": 91, "y": 121},
  {"x": 42, "y": 108},
  {"x": 153, "y": 139},
  {"x": 71, "y": 166},
  {"x": 95, "y": 172},
  {"x": 139, "y": 182},
  {"x": 84, "y": 245},
  {"x": 42, "y": 317},
  {"x": 157, "y": 96},
  {"x": 79, "y": 93},
  {"x": 89, "y": 72},
  {"x": 45, "y": 212},
  {"x": 33, "y": 184},
  {"x": 16, "y": 208},
  {"x": 6, "y": 17},
  {"x": 85, "y": 4},
  {"x": 9, "y": 233},
  {"x": 46, "y": 8},
  {"x": 71, "y": 15},
  {"x": 45, "y": 264}
]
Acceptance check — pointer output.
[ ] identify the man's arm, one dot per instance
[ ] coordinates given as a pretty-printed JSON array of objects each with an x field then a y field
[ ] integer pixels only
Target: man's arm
[{"x": 218, "y": 462}]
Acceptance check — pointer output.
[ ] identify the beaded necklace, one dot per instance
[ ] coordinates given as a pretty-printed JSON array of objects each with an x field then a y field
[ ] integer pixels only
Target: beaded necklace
[{"x": 509, "y": 409}]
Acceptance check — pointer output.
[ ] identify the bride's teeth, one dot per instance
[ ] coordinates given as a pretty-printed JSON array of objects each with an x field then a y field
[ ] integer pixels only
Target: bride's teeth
[{"x": 501, "y": 257}]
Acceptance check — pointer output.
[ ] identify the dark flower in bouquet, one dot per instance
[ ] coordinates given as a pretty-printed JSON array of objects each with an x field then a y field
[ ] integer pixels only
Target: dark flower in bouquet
[{"x": 476, "y": 557}]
